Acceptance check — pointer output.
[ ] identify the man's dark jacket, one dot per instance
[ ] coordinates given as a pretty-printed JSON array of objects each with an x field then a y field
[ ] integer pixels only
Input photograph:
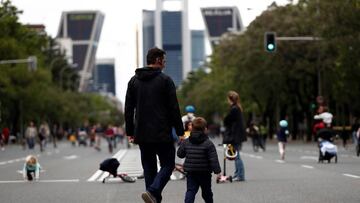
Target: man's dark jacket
[
  {"x": 200, "y": 154},
  {"x": 151, "y": 107}
]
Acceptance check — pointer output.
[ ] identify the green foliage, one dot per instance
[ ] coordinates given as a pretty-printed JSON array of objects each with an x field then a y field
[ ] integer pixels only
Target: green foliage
[
  {"x": 285, "y": 83},
  {"x": 50, "y": 92}
]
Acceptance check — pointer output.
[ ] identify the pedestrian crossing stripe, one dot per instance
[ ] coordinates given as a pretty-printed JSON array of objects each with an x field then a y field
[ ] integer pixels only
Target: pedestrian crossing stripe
[{"x": 99, "y": 174}]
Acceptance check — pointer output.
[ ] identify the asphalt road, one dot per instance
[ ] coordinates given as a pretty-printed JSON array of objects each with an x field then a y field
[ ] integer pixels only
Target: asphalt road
[{"x": 70, "y": 174}]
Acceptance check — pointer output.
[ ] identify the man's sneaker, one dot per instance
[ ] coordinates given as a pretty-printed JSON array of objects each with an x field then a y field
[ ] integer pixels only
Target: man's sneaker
[{"x": 148, "y": 197}]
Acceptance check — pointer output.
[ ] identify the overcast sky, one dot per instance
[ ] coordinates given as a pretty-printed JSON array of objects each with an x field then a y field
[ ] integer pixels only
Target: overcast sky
[{"x": 121, "y": 20}]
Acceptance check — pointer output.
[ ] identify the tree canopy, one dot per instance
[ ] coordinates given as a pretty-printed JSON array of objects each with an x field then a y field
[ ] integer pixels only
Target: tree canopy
[
  {"x": 48, "y": 93},
  {"x": 284, "y": 84}
]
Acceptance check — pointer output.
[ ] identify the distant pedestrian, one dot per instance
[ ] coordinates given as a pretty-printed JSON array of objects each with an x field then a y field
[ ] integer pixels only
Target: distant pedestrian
[
  {"x": 151, "y": 112},
  {"x": 44, "y": 134},
  {"x": 54, "y": 134},
  {"x": 190, "y": 114},
  {"x": 30, "y": 135},
  {"x": 31, "y": 169},
  {"x": 109, "y": 135},
  {"x": 2, "y": 141},
  {"x": 254, "y": 133},
  {"x": 201, "y": 160},
  {"x": 282, "y": 135},
  {"x": 6, "y": 134},
  {"x": 263, "y": 130},
  {"x": 354, "y": 129},
  {"x": 98, "y": 134},
  {"x": 235, "y": 132}
]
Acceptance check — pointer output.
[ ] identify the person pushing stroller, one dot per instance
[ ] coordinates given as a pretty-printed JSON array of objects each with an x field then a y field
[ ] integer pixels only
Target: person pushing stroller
[{"x": 327, "y": 150}]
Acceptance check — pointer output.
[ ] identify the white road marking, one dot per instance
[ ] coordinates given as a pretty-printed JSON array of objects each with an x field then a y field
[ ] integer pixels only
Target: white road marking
[
  {"x": 104, "y": 175},
  {"x": 350, "y": 175},
  {"x": 307, "y": 166},
  {"x": 41, "y": 181},
  {"x": 251, "y": 155},
  {"x": 12, "y": 181},
  {"x": 280, "y": 161},
  {"x": 71, "y": 157},
  {"x": 309, "y": 157},
  {"x": 100, "y": 174},
  {"x": 95, "y": 175},
  {"x": 60, "y": 181}
]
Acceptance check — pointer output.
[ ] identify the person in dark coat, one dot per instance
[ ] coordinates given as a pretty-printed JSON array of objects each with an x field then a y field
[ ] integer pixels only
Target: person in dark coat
[
  {"x": 151, "y": 112},
  {"x": 201, "y": 160},
  {"x": 235, "y": 132}
]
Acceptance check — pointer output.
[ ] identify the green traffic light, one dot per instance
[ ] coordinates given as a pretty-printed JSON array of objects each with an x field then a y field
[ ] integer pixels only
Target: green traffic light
[{"x": 270, "y": 47}]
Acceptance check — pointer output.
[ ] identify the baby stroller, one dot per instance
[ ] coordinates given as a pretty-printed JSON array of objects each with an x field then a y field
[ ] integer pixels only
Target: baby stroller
[
  {"x": 82, "y": 138},
  {"x": 111, "y": 165},
  {"x": 327, "y": 151}
]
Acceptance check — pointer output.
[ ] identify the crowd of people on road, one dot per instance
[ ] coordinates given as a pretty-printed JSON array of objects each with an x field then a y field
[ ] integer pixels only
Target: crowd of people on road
[
  {"x": 154, "y": 122},
  {"x": 85, "y": 135}
]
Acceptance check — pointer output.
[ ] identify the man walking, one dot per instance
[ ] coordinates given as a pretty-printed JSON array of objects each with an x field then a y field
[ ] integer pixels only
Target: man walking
[{"x": 151, "y": 111}]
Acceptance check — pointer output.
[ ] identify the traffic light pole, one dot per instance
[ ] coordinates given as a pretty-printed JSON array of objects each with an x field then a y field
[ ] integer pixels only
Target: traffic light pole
[{"x": 297, "y": 38}]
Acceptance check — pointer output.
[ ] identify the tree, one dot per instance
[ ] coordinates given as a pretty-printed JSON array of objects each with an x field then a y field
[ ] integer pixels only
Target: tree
[
  {"x": 284, "y": 84},
  {"x": 50, "y": 92}
]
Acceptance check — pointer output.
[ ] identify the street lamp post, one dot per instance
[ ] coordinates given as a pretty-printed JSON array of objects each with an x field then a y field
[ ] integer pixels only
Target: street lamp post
[{"x": 31, "y": 61}]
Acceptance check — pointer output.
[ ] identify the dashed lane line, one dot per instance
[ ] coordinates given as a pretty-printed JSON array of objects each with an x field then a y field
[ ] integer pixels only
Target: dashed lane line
[
  {"x": 350, "y": 175},
  {"x": 307, "y": 166},
  {"x": 42, "y": 181},
  {"x": 309, "y": 157}
]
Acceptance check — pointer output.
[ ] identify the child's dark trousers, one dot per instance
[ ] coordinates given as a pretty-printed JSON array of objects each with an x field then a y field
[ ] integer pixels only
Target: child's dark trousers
[{"x": 194, "y": 181}]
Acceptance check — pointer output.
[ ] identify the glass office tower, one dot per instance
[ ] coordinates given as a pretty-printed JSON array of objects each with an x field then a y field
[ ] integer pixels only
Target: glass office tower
[
  {"x": 171, "y": 41},
  {"x": 104, "y": 76},
  {"x": 84, "y": 29},
  {"x": 197, "y": 48},
  {"x": 219, "y": 20}
]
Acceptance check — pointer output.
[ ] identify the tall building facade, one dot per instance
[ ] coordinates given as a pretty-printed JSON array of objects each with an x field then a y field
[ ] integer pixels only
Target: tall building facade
[
  {"x": 220, "y": 20},
  {"x": 169, "y": 30},
  {"x": 84, "y": 29},
  {"x": 104, "y": 76},
  {"x": 197, "y": 49}
]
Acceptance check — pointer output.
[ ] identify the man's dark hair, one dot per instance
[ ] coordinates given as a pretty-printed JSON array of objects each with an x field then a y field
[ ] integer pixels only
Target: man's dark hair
[
  {"x": 199, "y": 124},
  {"x": 153, "y": 54}
]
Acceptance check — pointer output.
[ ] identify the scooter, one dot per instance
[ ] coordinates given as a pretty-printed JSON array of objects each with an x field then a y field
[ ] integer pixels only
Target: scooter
[{"x": 229, "y": 152}]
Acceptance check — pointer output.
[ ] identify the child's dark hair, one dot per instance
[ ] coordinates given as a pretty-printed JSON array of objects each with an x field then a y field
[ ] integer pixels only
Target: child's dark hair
[{"x": 199, "y": 124}]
